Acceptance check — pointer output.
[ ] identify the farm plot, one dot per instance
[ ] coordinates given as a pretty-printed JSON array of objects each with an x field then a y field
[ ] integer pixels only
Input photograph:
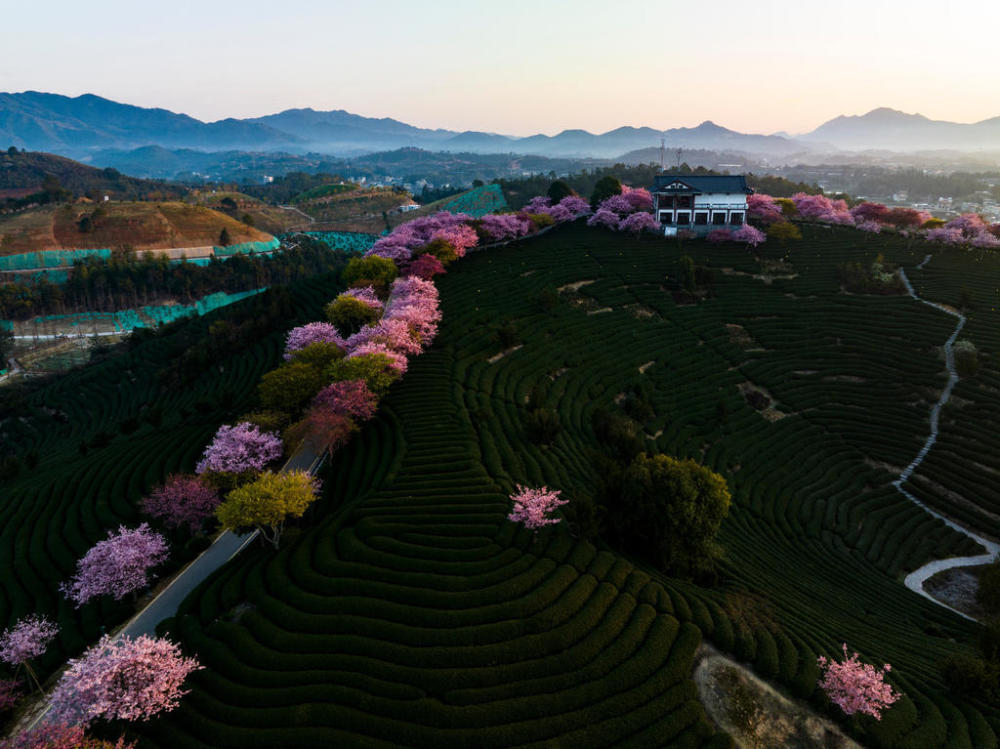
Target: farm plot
[{"x": 409, "y": 612}]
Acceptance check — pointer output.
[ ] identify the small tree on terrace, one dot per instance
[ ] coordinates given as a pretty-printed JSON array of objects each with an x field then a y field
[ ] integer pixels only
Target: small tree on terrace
[
  {"x": 116, "y": 566},
  {"x": 604, "y": 189},
  {"x": 559, "y": 190},
  {"x": 25, "y": 641},
  {"x": 122, "y": 679},
  {"x": 182, "y": 501},
  {"x": 532, "y": 507},
  {"x": 268, "y": 502},
  {"x": 374, "y": 271},
  {"x": 856, "y": 687}
]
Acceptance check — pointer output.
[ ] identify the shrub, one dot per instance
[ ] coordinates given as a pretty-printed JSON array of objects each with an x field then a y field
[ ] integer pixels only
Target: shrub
[
  {"x": 784, "y": 232},
  {"x": 349, "y": 314},
  {"x": 289, "y": 387},
  {"x": 376, "y": 370},
  {"x": 373, "y": 270},
  {"x": 966, "y": 359}
]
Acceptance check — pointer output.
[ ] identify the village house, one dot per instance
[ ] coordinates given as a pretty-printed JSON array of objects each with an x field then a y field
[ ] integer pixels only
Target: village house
[{"x": 699, "y": 203}]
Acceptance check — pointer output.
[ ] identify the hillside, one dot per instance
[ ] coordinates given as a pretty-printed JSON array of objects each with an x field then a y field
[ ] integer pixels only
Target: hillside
[
  {"x": 263, "y": 216},
  {"x": 140, "y": 226},
  {"x": 359, "y": 210},
  {"x": 24, "y": 173},
  {"x": 407, "y": 611},
  {"x": 893, "y": 130}
]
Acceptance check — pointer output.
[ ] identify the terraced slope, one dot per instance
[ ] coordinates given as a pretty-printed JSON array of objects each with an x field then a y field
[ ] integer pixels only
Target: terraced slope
[
  {"x": 408, "y": 612},
  {"x": 100, "y": 446}
]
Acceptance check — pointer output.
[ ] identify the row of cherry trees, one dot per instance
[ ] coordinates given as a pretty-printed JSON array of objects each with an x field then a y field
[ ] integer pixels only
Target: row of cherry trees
[{"x": 969, "y": 229}]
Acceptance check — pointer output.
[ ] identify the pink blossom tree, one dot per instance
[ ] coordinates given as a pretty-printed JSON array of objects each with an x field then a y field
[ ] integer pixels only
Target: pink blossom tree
[
  {"x": 638, "y": 197},
  {"x": 501, "y": 227},
  {"x": 27, "y": 640},
  {"x": 751, "y": 235},
  {"x": 539, "y": 204},
  {"x": 763, "y": 209},
  {"x": 604, "y": 217},
  {"x": 182, "y": 501},
  {"x": 395, "y": 333},
  {"x": 869, "y": 226},
  {"x": 576, "y": 205},
  {"x": 639, "y": 222},
  {"x": 122, "y": 679},
  {"x": 366, "y": 295},
  {"x": 425, "y": 267},
  {"x": 533, "y": 506},
  {"x": 459, "y": 236},
  {"x": 314, "y": 332},
  {"x": 118, "y": 565},
  {"x": 856, "y": 687},
  {"x": 619, "y": 205},
  {"x": 396, "y": 361},
  {"x": 49, "y": 735},
  {"x": 944, "y": 235},
  {"x": 240, "y": 448},
  {"x": 348, "y": 397},
  {"x": 866, "y": 211}
]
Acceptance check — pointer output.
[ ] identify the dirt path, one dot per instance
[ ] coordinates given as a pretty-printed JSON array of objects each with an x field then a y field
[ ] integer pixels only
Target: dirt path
[{"x": 916, "y": 579}]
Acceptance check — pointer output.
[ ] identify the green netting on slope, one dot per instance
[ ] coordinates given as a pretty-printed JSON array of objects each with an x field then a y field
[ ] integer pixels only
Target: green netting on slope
[
  {"x": 168, "y": 313},
  {"x": 58, "y": 276},
  {"x": 144, "y": 317},
  {"x": 48, "y": 259},
  {"x": 478, "y": 201},
  {"x": 246, "y": 247},
  {"x": 346, "y": 241}
]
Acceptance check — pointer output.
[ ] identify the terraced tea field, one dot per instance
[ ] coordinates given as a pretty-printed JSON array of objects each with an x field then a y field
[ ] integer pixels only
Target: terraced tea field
[
  {"x": 408, "y": 612},
  {"x": 134, "y": 428}
]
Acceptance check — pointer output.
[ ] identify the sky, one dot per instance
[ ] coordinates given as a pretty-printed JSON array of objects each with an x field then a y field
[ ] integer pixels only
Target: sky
[{"x": 517, "y": 67}]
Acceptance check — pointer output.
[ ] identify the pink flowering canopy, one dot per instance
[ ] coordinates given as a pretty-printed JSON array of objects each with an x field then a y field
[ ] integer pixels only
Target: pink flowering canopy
[
  {"x": 49, "y": 735},
  {"x": 869, "y": 225},
  {"x": 501, "y": 227},
  {"x": 639, "y": 222},
  {"x": 539, "y": 204},
  {"x": 604, "y": 217},
  {"x": 576, "y": 205},
  {"x": 944, "y": 235},
  {"x": 459, "y": 236},
  {"x": 116, "y": 566},
  {"x": 425, "y": 267},
  {"x": 856, "y": 687},
  {"x": 762, "y": 208},
  {"x": 349, "y": 398},
  {"x": 314, "y": 332},
  {"x": 182, "y": 501},
  {"x": 26, "y": 640},
  {"x": 395, "y": 333},
  {"x": 365, "y": 294},
  {"x": 122, "y": 679},
  {"x": 240, "y": 448},
  {"x": 397, "y": 361},
  {"x": 749, "y": 234},
  {"x": 533, "y": 506}
]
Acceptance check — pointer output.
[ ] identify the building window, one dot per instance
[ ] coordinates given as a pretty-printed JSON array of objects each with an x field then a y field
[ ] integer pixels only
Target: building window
[
  {"x": 736, "y": 219},
  {"x": 666, "y": 217},
  {"x": 684, "y": 201},
  {"x": 701, "y": 218},
  {"x": 665, "y": 201},
  {"x": 719, "y": 218},
  {"x": 683, "y": 217}
]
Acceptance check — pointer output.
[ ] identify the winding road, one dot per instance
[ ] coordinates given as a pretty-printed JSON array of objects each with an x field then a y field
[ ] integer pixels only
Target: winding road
[{"x": 916, "y": 579}]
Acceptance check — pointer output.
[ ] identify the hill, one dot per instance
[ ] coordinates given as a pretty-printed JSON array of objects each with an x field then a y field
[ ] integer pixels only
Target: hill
[
  {"x": 25, "y": 173},
  {"x": 76, "y": 125},
  {"x": 898, "y": 131},
  {"x": 408, "y": 611},
  {"x": 263, "y": 216},
  {"x": 139, "y": 226}
]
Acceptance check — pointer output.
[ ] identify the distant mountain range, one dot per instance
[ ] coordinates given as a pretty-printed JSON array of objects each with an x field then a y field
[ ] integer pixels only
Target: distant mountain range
[{"x": 79, "y": 126}]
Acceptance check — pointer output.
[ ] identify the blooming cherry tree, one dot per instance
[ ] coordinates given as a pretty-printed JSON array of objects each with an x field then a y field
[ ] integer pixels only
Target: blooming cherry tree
[
  {"x": 751, "y": 235},
  {"x": 314, "y": 332},
  {"x": 182, "y": 501},
  {"x": 639, "y": 222},
  {"x": 27, "y": 640},
  {"x": 576, "y": 205},
  {"x": 240, "y": 448},
  {"x": 49, "y": 735},
  {"x": 122, "y": 679},
  {"x": 532, "y": 507},
  {"x": 425, "y": 267},
  {"x": 856, "y": 687},
  {"x": 118, "y": 565},
  {"x": 10, "y": 692},
  {"x": 350, "y": 398},
  {"x": 604, "y": 217}
]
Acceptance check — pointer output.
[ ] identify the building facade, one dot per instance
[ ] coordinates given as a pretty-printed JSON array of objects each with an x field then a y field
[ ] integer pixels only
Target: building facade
[{"x": 699, "y": 203}]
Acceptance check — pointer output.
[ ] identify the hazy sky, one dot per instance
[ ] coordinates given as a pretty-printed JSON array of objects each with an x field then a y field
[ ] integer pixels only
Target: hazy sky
[{"x": 515, "y": 66}]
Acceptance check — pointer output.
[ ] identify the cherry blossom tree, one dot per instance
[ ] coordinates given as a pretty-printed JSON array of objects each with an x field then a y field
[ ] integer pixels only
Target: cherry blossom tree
[
  {"x": 27, "y": 640},
  {"x": 539, "y": 204},
  {"x": 856, "y": 687},
  {"x": 396, "y": 361},
  {"x": 459, "y": 236},
  {"x": 619, "y": 205},
  {"x": 501, "y": 227},
  {"x": 576, "y": 205},
  {"x": 118, "y": 565},
  {"x": 604, "y": 217},
  {"x": 350, "y": 398},
  {"x": 638, "y": 197},
  {"x": 268, "y": 502},
  {"x": 49, "y": 735},
  {"x": 866, "y": 211},
  {"x": 532, "y": 507},
  {"x": 182, "y": 501},
  {"x": 944, "y": 235},
  {"x": 122, "y": 679},
  {"x": 240, "y": 448},
  {"x": 639, "y": 222},
  {"x": 560, "y": 213},
  {"x": 425, "y": 267},
  {"x": 322, "y": 430},
  {"x": 366, "y": 295},
  {"x": 763, "y": 209},
  {"x": 393, "y": 332},
  {"x": 314, "y": 332},
  {"x": 869, "y": 225},
  {"x": 751, "y": 235}
]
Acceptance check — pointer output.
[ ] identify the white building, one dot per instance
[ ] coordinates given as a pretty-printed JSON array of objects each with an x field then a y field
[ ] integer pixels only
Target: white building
[{"x": 699, "y": 203}]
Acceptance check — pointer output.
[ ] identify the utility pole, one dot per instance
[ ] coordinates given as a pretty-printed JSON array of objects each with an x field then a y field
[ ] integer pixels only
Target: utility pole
[
  {"x": 679, "y": 156},
  {"x": 663, "y": 146}
]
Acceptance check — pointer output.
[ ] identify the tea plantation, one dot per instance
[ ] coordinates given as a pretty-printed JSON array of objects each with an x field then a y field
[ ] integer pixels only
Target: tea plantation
[
  {"x": 406, "y": 611},
  {"x": 105, "y": 434}
]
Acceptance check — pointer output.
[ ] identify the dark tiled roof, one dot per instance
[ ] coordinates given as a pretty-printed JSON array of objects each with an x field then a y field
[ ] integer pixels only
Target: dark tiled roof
[{"x": 701, "y": 183}]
